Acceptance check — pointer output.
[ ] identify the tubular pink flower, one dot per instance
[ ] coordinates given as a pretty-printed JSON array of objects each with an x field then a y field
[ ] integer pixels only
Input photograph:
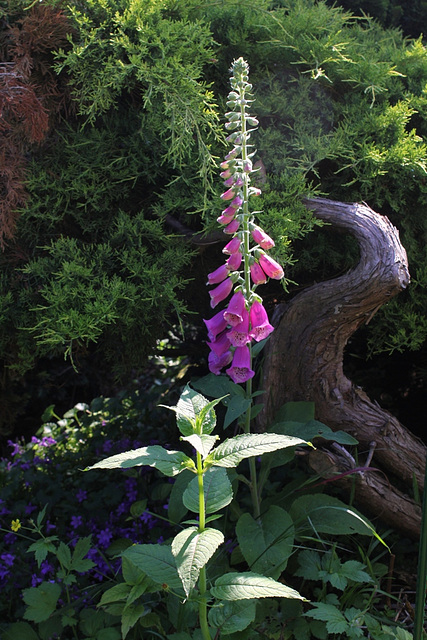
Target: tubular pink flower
[
  {"x": 216, "y": 363},
  {"x": 257, "y": 274},
  {"x": 234, "y": 261},
  {"x": 237, "y": 202},
  {"x": 270, "y": 267},
  {"x": 232, "y": 247},
  {"x": 225, "y": 174},
  {"x": 227, "y": 195},
  {"x": 215, "y": 325},
  {"x": 225, "y": 219},
  {"x": 220, "y": 292},
  {"x": 240, "y": 370},
  {"x": 236, "y": 309},
  {"x": 221, "y": 344},
  {"x": 218, "y": 275},
  {"x": 260, "y": 326},
  {"x": 262, "y": 238},
  {"x": 229, "y": 211},
  {"x": 239, "y": 335},
  {"x": 232, "y": 227}
]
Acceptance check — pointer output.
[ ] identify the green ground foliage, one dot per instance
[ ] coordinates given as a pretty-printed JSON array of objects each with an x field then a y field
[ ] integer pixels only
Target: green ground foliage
[{"x": 98, "y": 267}]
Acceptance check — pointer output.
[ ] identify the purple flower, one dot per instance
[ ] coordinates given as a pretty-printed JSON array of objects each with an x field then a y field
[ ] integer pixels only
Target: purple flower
[
  {"x": 236, "y": 308},
  {"x": 76, "y": 521},
  {"x": 215, "y": 325},
  {"x": 104, "y": 538},
  {"x": 216, "y": 363},
  {"x": 239, "y": 334},
  {"x": 221, "y": 344},
  {"x": 8, "y": 559},
  {"x": 220, "y": 292},
  {"x": 218, "y": 275},
  {"x": 260, "y": 326},
  {"x": 257, "y": 274},
  {"x": 233, "y": 246},
  {"x": 270, "y": 267},
  {"x": 228, "y": 195},
  {"x": 240, "y": 370},
  {"x": 232, "y": 227},
  {"x": 234, "y": 261},
  {"x": 81, "y": 495},
  {"x": 262, "y": 238}
]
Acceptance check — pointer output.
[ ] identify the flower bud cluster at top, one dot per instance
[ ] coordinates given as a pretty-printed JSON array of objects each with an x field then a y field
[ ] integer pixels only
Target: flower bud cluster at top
[{"x": 248, "y": 264}]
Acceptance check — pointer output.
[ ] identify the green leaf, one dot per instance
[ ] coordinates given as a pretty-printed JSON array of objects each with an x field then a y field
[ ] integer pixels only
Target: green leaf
[
  {"x": 203, "y": 443},
  {"x": 309, "y": 564},
  {"x": 335, "y": 621},
  {"x": 42, "y": 547},
  {"x": 244, "y": 586},
  {"x": 157, "y": 561},
  {"x": 20, "y": 631},
  {"x": 109, "y": 633},
  {"x": 41, "y": 601},
  {"x": 192, "y": 550},
  {"x": 168, "y": 462},
  {"x": 64, "y": 555},
  {"x": 354, "y": 570},
  {"x": 236, "y": 407},
  {"x": 191, "y": 407},
  {"x": 79, "y": 563},
  {"x": 132, "y": 574},
  {"x": 230, "y": 452},
  {"x": 116, "y": 593},
  {"x": 130, "y": 617},
  {"x": 326, "y": 514},
  {"x": 216, "y": 488},
  {"x": 266, "y": 542},
  {"x": 231, "y": 616},
  {"x": 176, "y": 507},
  {"x": 217, "y": 386},
  {"x": 295, "y": 412},
  {"x": 313, "y": 429}
]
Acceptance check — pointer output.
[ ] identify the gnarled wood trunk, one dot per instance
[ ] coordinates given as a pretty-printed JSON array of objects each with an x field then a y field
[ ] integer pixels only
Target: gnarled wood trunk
[{"x": 304, "y": 357}]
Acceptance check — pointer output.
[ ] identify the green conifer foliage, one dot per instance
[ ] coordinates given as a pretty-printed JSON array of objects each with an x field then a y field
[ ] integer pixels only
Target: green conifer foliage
[{"x": 94, "y": 266}]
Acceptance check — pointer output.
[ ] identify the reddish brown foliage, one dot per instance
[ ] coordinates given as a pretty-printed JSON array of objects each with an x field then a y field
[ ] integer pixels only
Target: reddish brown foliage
[{"x": 31, "y": 95}]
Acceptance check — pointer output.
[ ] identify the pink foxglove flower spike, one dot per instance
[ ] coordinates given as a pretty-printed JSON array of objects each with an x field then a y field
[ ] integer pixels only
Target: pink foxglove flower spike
[{"x": 232, "y": 330}]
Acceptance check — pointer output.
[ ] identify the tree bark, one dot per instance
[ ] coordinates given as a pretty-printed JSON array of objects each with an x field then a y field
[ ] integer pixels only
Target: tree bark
[{"x": 304, "y": 356}]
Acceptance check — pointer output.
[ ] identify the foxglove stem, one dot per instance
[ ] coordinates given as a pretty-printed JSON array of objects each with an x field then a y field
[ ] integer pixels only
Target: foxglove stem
[{"x": 203, "y": 619}]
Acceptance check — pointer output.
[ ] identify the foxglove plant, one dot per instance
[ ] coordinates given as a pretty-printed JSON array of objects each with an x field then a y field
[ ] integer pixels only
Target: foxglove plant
[
  {"x": 247, "y": 266},
  {"x": 245, "y": 319}
]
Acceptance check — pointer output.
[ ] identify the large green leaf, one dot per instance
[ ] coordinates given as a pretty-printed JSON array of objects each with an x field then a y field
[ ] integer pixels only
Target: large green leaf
[
  {"x": 157, "y": 561},
  {"x": 20, "y": 631},
  {"x": 41, "y": 601},
  {"x": 244, "y": 586},
  {"x": 313, "y": 429},
  {"x": 295, "y": 412},
  {"x": 168, "y": 462},
  {"x": 192, "y": 550},
  {"x": 267, "y": 542},
  {"x": 326, "y": 514},
  {"x": 231, "y": 616},
  {"x": 216, "y": 488},
  {"x": 218, "y": 386},
  {"x": 230, "y": 452}
]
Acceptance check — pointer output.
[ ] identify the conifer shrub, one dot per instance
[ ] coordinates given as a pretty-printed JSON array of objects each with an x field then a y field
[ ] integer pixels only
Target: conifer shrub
[{"x": 100, "y": 257}]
